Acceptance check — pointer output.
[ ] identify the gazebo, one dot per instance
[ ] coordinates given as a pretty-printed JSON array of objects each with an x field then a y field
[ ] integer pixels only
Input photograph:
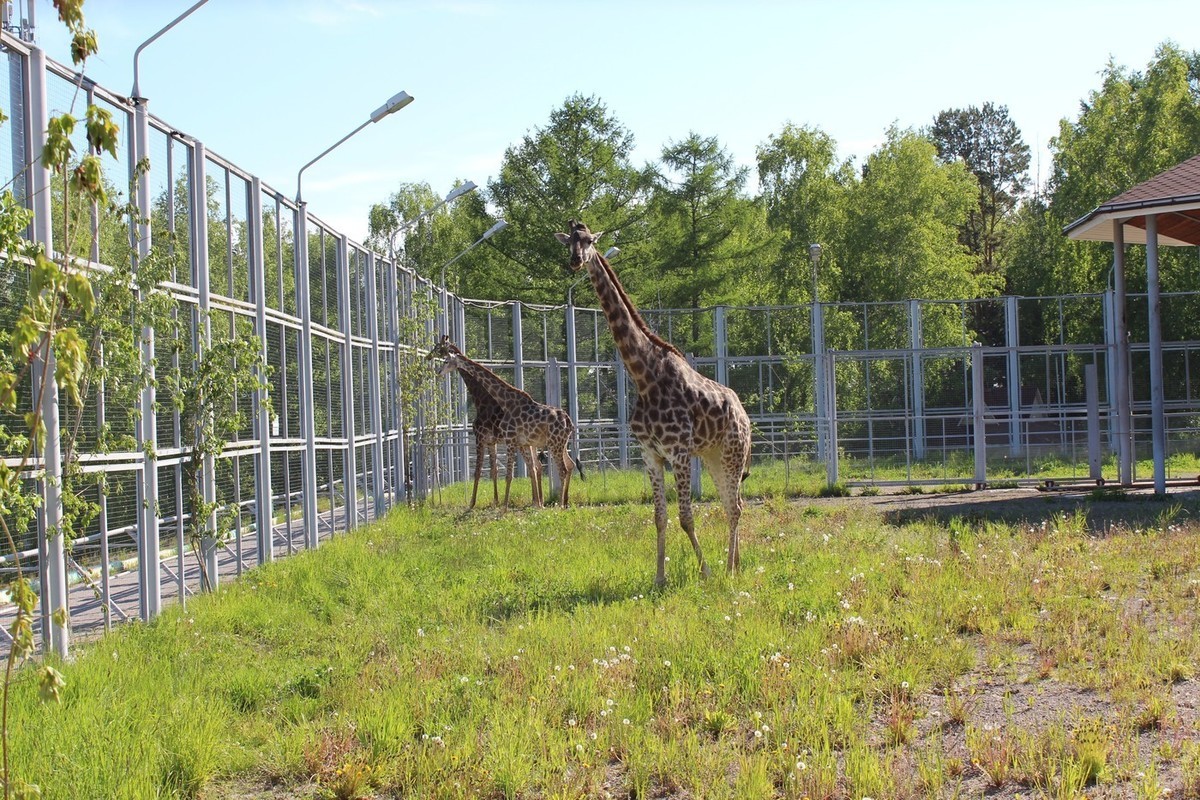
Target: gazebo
[{"x": 1164, "y": 210}]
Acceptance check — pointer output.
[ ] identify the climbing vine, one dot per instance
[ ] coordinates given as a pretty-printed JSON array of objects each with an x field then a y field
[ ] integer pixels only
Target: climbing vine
[{"x": 64, "y": 310}]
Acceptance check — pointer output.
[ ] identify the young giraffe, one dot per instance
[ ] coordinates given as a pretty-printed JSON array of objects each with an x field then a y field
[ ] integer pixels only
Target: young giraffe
[
  {"x": 488, "y": 427},
  {"x": 531, "y": 426},
  {"x": 678, "y": 413}
]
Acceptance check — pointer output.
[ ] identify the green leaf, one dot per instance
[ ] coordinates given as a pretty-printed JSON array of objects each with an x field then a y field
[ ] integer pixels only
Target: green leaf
[
  {"x": 43, "y": 275},
  {"x": 83, "y": 44},
  {"x": 102, "y": 133},
  {"x": 51, "y": 684},
  {"x": 79, "y": 290},
  {"x": 59, "y": 148}
]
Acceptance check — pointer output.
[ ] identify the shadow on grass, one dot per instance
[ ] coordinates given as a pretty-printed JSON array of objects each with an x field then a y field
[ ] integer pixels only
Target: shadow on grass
[
  {"x": 1104, "y": 510},
  {"x": 496, "y": 606}
]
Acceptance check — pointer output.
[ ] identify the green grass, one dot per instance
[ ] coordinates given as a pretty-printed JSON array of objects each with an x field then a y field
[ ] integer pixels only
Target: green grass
[{"x": 528, "y": 654}]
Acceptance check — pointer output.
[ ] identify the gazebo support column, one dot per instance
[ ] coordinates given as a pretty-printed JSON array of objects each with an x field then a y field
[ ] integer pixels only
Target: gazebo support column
[
  {"x": 1121, "y": 359},
  {"x": 1157, "y": 410}
]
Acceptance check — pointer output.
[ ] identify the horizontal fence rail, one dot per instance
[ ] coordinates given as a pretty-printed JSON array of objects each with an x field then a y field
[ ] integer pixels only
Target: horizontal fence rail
[{"x": 871, "y": 393}]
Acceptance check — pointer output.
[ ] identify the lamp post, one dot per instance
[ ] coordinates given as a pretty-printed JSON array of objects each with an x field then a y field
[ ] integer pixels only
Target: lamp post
[
  {"x": 303, "y": 300},
  {"x": 400, "y": 475},
  {"x": 814, "y": 255},
  {"x": 818, "y": 345},
  {"x": 150, "y": 590},
  {"x": 489, "y": 233}
]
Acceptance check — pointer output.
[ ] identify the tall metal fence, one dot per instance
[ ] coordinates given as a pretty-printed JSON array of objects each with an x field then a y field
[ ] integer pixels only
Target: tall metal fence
[{"x": 882, "y": 392}]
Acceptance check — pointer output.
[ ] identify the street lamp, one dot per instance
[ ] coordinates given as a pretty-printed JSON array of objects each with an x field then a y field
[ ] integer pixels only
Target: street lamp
[
  {"x": 489, "y": 233},
  {"x": 394, "y": 104},
  {"x": 307, "y": 401},
  {"x": 454, "y": 194},
  {"x": 814, "y": 255}
]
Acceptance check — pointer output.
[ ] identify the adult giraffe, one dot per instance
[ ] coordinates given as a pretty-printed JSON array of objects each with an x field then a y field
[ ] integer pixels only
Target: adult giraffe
[{"x": 678, "y": 413}]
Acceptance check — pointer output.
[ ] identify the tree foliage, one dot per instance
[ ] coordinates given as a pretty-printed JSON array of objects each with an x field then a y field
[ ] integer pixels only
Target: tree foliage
[
  {"x": 579, "y": 166},
  {"x": 988, "y": 141}
]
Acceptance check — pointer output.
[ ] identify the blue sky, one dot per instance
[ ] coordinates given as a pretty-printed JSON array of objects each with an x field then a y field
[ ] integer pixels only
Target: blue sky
[{"x": 269, "y": 84}]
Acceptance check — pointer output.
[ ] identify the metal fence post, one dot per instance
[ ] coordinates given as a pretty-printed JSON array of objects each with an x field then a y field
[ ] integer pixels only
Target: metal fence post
[
  {"x": 979, "y": 423},
  {"x": 1110, "y": 372},
  {"x": 915, "y": 341},
  {"x": 149, "y": 553},
  {"x": 399, "y": 475},
  {"x": 209, "y": 576},
  {"x": 1012, "y": 334},
  {"x": 1092, "y": 390},
  {"x": 264, "y": 512},
  {"x": 832, "y": 465},
  {"x": 56, "y": 634},
  {"x": 720, "y": 331},
  {"x": 572, "y": 377},
  {"x": 464, "y": 437},
  {"x": 622, "y": 414},
  {"x": 350, "y": 473},
  {"x": 308, "y": 420},
  {"x": 696, "y": 466},
  {"x": 376, "y": 407},
  {"x": 518, "y": 348},
  {"x": 554, "y": 398},
  {"x": 820, "y": 393}
]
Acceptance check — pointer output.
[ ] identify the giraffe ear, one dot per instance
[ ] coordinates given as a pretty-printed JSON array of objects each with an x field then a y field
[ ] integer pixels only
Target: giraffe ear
[
  {"x": 564, "y": 238},
  {"x": 596, "y": 236}
]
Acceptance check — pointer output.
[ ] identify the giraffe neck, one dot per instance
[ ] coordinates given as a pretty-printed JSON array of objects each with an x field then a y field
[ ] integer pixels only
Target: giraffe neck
[
  {"x": 631, "y": 334},
  {"x": 479, "y": 395},
  {"x": 500, "y": 390}
]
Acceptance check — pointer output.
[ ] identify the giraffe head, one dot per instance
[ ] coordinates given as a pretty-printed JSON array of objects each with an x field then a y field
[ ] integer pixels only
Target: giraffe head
[
  {"x": 442, "y": 349},
  {"x": 449, "y": 364},
  {"x": 581, "y": 242}
]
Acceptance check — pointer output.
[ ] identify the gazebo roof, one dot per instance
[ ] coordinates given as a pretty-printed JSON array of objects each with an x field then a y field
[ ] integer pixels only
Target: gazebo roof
[{"x": 1173, "y": 196}]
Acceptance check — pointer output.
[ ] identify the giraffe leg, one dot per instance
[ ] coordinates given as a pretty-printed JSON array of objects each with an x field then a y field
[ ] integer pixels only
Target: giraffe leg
[
  {"x": 479, "y": 448},
  {"x": 508, "y": 473},
  {"x": 682, "y": 467},
  {"x": 654, "y": 471},
  {"x": 565, "y": 467},
  {"x": 495, "y": 483},
  {"x": 529, "y": 453},
  {"x": 727, "y": 475}
]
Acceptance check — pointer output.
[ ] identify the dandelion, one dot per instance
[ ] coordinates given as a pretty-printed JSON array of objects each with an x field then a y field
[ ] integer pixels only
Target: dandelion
[
  {"x": 801, "y": 766},
  {"x": 579, "y": 748},
  {"x": 625, "y": 721},
  {"x": 571, "y": 722},
  {"x": 420, "y": 632},
  {"x": 609, "y": 702}
]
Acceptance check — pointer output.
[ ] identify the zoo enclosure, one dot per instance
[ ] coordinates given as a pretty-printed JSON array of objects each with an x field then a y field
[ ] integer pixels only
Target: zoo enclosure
[{"x": 867, "y": 392}]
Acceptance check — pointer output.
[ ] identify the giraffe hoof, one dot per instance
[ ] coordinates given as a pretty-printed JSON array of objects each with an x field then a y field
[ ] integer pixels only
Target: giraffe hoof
[
  {"x": 660, "y": 581},
  {"x": 705, "y": 572}
]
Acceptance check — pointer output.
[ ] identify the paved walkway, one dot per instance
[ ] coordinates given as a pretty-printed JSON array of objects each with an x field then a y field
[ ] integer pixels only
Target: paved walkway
[{"x": 87, "y": 611}]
